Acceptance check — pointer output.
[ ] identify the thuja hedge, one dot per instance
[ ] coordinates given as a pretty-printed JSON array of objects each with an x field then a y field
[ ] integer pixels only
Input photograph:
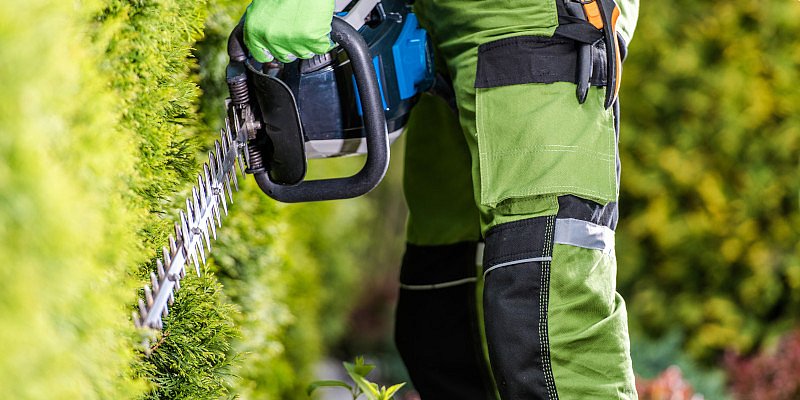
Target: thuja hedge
[
  {"x": 66, "y": 239},
  {"x": 99, "y": 129},
  {"x": 708, "y": 241}
]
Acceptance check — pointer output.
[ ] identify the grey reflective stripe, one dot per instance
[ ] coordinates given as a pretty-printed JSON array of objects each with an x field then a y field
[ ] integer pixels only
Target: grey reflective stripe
[
  {"x": 439, "y": 285},
  {"x": 587, "y": 235},
  {"x": 515, "y": 262},
  {"x": 479, "y": 254}
]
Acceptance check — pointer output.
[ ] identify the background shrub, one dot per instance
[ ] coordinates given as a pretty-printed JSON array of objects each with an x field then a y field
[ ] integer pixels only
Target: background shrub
[
  {"x": 65, "y": 240},
  {"x": 708, "y": 239},
  {"x": 771, "y": 374},
  {"x": 100, "y": 136}
]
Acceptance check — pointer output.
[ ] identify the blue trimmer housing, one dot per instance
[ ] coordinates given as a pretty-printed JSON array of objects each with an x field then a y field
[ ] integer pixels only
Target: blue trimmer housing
[
  {"x": 328, "y": 98},
  {"x": 352, "y": 100}
]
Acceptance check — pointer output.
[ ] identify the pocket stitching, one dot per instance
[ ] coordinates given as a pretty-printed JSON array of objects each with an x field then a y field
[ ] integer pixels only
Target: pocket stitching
[{"x": 485, "y": 158}]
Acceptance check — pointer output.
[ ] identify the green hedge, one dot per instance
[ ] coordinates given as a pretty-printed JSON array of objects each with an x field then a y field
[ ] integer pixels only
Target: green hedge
[
  {"x": 99, "y": 128},
  {"x": 65, "y": 224},
  {"x": 708, "y": 242}
]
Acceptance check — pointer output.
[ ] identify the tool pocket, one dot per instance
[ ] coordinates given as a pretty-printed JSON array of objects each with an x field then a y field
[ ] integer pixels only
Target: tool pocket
[{"x": 533, "y": 137}]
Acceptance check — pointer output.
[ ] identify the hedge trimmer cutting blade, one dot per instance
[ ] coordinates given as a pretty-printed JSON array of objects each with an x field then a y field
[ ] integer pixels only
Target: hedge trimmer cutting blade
[{"x": 196, "y": 228}]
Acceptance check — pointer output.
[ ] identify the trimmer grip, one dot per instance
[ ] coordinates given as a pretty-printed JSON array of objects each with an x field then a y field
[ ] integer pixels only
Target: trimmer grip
[{"x": 375, "y": 130}]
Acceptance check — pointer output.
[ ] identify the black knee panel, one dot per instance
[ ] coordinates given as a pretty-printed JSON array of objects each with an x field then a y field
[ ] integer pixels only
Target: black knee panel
[
  {"x": 516, "y": 269},
  {"x": 436, "y": 330}
]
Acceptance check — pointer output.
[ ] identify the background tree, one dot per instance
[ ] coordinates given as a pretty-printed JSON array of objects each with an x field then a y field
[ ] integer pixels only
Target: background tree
[{"x": 709, "y": 237}]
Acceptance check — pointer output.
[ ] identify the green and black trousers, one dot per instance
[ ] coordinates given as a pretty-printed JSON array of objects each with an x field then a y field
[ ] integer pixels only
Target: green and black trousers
[{"x": 508, "y": 280}]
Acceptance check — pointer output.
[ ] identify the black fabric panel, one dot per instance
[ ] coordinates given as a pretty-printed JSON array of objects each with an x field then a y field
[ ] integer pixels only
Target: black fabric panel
[
  {"x": 570, "y": 206},
  {"x": 426, "y": 265},
  {"x": 577, "y": 30},
  {"x": 533, "y": 59},
  {"x": 515, "y": 241},
  {"x": 436, "y": 331},
  {"x": 623, "y": 48},
  {"x": 515, "y": 309}
]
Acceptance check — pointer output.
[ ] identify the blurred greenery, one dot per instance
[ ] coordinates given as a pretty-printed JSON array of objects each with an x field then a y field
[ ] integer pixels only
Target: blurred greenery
[
  {"x": 101, "y": 137},
  {"x": 708, "y": 237},
  {"x": 66, "y": 241},
  {"x": 652, "y": 357}
]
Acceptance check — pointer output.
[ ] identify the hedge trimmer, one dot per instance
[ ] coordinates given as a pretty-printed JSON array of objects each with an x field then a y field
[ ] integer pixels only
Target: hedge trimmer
[
  {"x": 197, "y": 225},
  {"x": 279, "y": 115}
]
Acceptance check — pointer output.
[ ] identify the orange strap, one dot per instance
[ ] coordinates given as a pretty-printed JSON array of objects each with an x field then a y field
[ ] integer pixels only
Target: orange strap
[
  {"x": 592, "y": 11},
  {"x": 614, "y": 17}
]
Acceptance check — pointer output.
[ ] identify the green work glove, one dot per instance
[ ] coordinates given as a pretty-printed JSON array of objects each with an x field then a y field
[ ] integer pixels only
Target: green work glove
[{"x": 287, "y": 29}]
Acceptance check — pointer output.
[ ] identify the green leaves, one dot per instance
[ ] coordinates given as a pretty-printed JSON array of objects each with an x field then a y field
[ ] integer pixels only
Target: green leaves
[
  {"x": 318, "y": 384},
  {"x": 710, "y": 221},
  {"x": 358, "y": 372}
]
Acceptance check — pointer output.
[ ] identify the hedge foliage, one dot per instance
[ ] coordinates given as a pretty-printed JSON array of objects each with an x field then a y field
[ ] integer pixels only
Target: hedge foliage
[
  {"x": 708, "y": 241},
  {"x": 65, "y": 237},
  {"x": 101, "y": 137}
]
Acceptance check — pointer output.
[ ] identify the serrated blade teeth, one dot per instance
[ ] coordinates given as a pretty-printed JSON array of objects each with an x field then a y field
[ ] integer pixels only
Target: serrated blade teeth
[
  {"x": 212, "y": 164},
  {"x": 142, "y": 311},
  {"x": 235, "y": 182},
  {"x": 210, "y": 225},
  {"x": 184, "y": 229},
  {"x": 222, "y": 199},
  {"x": 238, "y": 165},
  {"x": 177, "y": 279},
  {"x": 148, "y": 296},
  {"x": 202, "y": 256},
  {"x": 198, "y": 224},
  {"x": 218, "y": 155},
  {"x": 213, "y": 198},
  {"x": 191, "y": 213},
  {"x": 160, "y": 269},
  {"x": 215, "y": 185},
  {"x": 228, "y": 124},
  {"x": 204, "y": 230},
  {"x": 228, "y": 188},
  {"x": 236, "y": 124},
  {"x": 225, "y": 135},
  {"x": 196, "y": 203},
  {"x": 201, "y": 188},
  {"x": 154, "y": 282},
  {"x": 195, "y": 262}
]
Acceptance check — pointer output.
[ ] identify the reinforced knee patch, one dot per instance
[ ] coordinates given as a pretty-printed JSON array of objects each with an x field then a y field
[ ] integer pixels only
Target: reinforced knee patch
[
  {"x": 516, "y": 272},
  {"x": 436, "y": 331},
  {"x": 555, "y": 325}
]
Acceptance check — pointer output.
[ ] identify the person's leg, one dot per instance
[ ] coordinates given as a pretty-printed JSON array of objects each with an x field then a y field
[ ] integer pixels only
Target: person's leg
[
  {"x": 436, "y": 330},
  {"x": 545, "y": 182}
]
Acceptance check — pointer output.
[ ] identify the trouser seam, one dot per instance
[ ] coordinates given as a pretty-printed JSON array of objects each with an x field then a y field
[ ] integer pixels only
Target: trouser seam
[{"x": 544, "y": 294}]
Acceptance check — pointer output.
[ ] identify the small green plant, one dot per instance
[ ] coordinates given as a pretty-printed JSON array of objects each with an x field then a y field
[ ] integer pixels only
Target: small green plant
[{"x": 358, "y": 373}]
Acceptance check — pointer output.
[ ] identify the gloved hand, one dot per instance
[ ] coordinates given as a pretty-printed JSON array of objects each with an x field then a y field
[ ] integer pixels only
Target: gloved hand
[{"x": 285, "y": 29}]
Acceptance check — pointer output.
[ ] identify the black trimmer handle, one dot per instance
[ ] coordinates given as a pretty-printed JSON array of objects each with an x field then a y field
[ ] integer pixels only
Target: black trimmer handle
[{"x": 375, "y": 131}]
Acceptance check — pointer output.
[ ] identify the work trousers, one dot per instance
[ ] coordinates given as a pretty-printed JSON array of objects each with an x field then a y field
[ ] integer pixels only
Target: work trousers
[{"x": 508, "y": 281}]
